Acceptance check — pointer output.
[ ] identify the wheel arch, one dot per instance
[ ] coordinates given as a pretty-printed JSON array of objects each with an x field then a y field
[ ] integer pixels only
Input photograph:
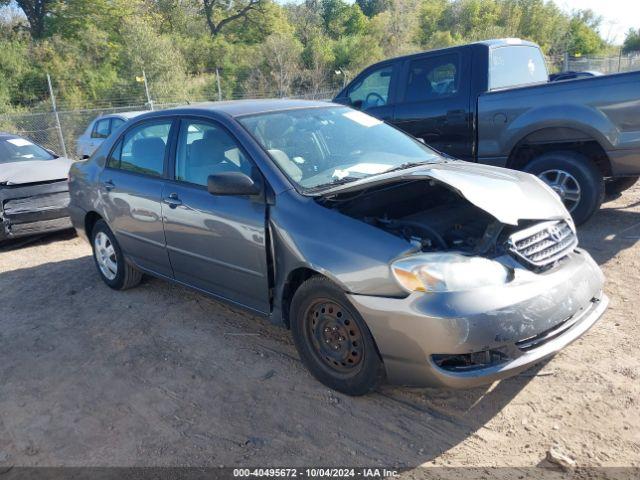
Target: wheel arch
[
  {"x": 90, "y": 220},
  {"x": 295, "y": 278},
  {"x": 548, "y": 139}
]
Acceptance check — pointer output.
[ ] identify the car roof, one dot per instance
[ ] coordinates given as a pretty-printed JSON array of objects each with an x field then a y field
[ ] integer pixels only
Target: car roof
[
  {"x": 237, "y": 108},
  {"x": 490, "y": 44},
  {"x": 127, "y": 115},
  {"x": 8, "y": 136}
]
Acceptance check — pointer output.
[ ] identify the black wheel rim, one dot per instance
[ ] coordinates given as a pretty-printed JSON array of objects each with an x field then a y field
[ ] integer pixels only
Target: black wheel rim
[{"x": 335, "y": 337}]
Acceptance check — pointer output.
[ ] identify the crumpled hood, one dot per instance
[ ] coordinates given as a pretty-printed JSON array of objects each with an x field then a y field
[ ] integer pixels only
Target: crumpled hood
[
  {"x": 507, "y": 195},
  {"x": 16, "y": 173}
]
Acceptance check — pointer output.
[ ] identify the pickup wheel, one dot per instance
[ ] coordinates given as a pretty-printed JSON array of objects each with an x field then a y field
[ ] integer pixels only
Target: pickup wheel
[
  {"x": 114, "y": 270},
  {"x": 333, "y": 340},
  {"x": 574, "y": 178},
  {"x": 616, "y": 186}
]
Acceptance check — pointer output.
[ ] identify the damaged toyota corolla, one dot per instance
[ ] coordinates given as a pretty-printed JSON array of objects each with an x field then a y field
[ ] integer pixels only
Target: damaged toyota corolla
[
  {"x": 385, "y": 259},
  {"x": 33, "y": 188}
]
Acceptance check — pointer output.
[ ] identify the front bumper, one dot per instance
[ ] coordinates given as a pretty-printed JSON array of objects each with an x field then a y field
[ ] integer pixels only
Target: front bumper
[
  {"x": 32, "y": 209},
  {"x": 527, "y": 320}
]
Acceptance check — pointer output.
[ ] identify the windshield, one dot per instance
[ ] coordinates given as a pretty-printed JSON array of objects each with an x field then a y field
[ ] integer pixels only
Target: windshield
[
  {"x": 516, "y": 65},
  {"x": 16, "y": 149},
  {"x": 320, "y": 147}
]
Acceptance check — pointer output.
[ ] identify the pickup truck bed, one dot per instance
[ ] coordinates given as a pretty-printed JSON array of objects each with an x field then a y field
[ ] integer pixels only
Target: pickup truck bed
[
  {"x": 491, "y": 102},
  {"x": 604, "y": 109}
]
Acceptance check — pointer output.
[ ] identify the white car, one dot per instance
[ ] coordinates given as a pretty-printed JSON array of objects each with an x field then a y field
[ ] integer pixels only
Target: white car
[{"x": 99, "y": 129}]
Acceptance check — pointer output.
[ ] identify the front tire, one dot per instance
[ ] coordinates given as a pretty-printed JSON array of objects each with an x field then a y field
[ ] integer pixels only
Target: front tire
[
  {"x": 333, "y": 340},
  {"x": 114, "y": 270},
  {"x": 574, "y": 178}
]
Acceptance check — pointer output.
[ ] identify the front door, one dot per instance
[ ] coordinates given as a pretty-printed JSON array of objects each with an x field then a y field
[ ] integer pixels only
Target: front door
[
  {"x": 434, "y": 103},
  {"x": 131, "y": 190},
  {"x": 372, "y": 92},
  {"x": 215, "y": 243}
]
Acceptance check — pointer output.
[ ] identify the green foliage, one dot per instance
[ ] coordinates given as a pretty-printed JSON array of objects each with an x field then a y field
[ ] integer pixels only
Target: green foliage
[
  {"x": 583, "y": 40},
  {"x": 95, "y": 49},
  {"x": 632, "y": 41},
  {"x": 341, "y": 18},
  {"x": 373, "y": 7}
]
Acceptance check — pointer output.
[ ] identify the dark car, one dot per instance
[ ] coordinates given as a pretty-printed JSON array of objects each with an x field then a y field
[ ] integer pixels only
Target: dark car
[
  {"x": 571, "y": 75},
  {"x": 491, "y": 102},
  {"x": 383, "y": 258},
  {"x": 34, "y": 193}
]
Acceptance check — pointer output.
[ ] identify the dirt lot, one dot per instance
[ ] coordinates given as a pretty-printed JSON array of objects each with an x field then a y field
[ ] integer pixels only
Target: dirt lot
[{"x": 160, "y": 375}]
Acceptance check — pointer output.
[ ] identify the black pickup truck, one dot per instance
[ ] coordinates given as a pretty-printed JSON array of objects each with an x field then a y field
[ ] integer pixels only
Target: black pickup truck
[{"x": 491, "y": 102}]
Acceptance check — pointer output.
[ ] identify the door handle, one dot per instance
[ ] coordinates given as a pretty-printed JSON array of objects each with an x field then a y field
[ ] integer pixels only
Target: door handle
[
  {"x": 173, "y": 200},
  {"x": 108, "y": 185}
]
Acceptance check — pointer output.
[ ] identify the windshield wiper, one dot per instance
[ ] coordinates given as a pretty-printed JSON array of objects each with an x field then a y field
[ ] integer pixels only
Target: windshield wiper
[
  {"x": 404, "y": 166},
  {"x": 333, "y": 183}
]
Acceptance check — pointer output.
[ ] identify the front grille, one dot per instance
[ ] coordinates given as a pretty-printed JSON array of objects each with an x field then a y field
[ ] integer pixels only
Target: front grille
[{"x": 543, "y": 244}]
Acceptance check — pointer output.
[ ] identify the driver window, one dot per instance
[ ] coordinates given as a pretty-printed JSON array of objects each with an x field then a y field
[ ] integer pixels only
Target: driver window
[
  {"x": 372, "y": 90},
  {"x": 206, "y": 149}
]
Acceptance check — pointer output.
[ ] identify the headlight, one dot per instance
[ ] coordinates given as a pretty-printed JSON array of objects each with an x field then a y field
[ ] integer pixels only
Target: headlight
[{"x": 447, "y": 272}]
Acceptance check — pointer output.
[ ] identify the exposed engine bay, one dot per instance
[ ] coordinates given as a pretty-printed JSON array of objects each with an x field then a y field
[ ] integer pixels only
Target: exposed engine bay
[{"x": 426, "y": 213}]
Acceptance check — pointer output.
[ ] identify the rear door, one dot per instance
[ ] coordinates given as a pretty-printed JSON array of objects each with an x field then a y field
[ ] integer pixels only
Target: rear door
[
  {"x": 434, "y": 101},
  {"x": 215, "y": 243},
  {"x": 131, "y": 193}
]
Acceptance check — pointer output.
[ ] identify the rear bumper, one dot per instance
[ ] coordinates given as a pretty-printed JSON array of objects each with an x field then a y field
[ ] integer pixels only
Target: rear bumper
[
  {"x": 31, "y": 209},
  {"x": 514, "y": 326},
  {"x": 77, "y": 217}
]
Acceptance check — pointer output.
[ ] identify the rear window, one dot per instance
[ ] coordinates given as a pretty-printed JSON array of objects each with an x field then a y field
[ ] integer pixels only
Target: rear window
[{"x": 516, "y": 65}]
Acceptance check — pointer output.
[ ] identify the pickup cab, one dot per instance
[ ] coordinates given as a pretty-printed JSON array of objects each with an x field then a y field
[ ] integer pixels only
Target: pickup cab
[{"x": 491, "y": 102}]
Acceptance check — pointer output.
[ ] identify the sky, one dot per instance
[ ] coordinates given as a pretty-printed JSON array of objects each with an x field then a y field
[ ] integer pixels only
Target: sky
[{"x": 618, "y": 16}]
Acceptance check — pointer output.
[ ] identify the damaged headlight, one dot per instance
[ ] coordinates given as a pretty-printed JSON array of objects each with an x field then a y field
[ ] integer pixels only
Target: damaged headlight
[{"x": 448, "y": 272}]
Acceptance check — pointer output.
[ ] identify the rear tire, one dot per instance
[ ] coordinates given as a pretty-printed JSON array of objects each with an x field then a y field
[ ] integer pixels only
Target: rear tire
[
  {"x": 575, "y": 178},
  {"x": 615, "y": 186},
  {"x": 113, "y": 268},
  {"x": 333, "y": 340}
]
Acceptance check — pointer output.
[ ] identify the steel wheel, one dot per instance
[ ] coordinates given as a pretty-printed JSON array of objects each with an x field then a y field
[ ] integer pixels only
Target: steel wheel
[
  {"x": 335, "y": 336},
  {"x": 565, "y": 185},
  {"x": 105, "y": 255}
]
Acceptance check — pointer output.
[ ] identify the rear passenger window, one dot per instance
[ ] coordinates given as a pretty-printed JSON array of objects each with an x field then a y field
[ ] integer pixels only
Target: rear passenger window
[
  {"x": 101, "y": 129},
  {"x": 432, "y": 78},
  {"x": 142, "y": 150},
  {"x": 115, "y": 123}
]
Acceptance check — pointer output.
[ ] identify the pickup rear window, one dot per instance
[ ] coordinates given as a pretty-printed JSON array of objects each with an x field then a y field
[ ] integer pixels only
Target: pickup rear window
[{"x": 516, "y": 65}]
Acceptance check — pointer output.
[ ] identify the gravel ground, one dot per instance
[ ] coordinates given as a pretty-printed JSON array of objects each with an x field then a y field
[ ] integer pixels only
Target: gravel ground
[{"x": 159, "y": 375}]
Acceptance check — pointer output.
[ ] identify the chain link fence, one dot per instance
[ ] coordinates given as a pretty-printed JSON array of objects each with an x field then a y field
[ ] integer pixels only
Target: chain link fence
[
  {"x": 603, "y": 64},
  {"x": 59, "y": 130}
]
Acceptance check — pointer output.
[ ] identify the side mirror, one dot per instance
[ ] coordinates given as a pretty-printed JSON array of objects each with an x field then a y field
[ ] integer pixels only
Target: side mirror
[
  {"x": 232, "y": 183},
  {"x": 357, "y": 104}
]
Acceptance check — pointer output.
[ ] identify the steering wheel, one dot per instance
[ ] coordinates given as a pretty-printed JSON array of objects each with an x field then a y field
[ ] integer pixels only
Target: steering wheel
[{"x": 377, "y": 97}]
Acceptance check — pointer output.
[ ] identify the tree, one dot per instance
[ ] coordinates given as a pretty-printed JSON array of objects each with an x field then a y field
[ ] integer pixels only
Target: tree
[
  {"x": 282, "y": 61},
  {"x": 632, "y": 41},
  {"x": 341, "y": 19},
  {"x": 36, "y": 12},
  {"x": 371, "y": 8},
  {"x": 583, "y": 38},
  {"x": 220, "y": 13},
  {"x": 318, "y": 57}
]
